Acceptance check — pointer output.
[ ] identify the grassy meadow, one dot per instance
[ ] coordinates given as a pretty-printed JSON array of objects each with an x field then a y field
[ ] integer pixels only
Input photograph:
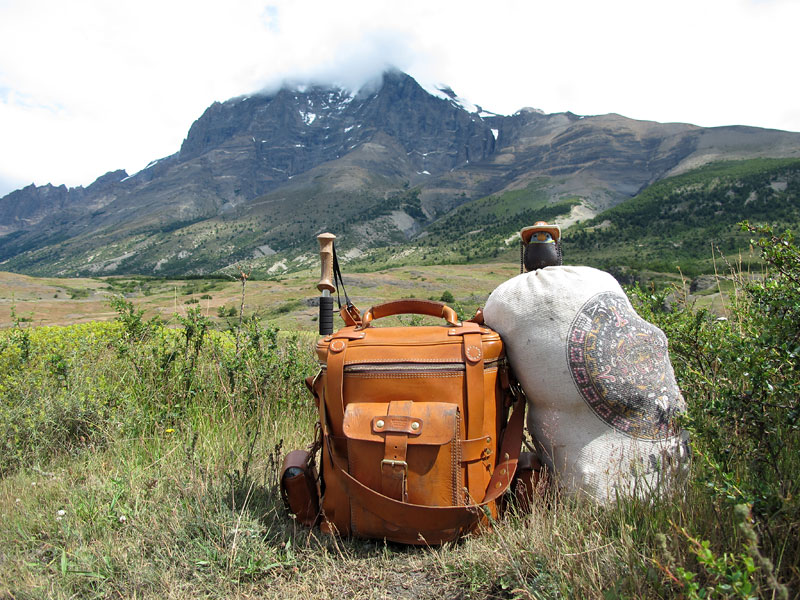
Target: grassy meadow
[
  {"x": 144, "y": 423},
  {"x": 286, "y": 302}
]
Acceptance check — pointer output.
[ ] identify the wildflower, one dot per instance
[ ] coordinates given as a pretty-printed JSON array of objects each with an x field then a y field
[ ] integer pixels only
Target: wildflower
[
  {"x": 169, "y": 430},
  {"x": 61, "y": 512},
  {"x": 122, "y": 519}
]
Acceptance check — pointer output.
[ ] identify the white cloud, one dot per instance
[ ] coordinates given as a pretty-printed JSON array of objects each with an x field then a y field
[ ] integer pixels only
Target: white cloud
[{"x": 89, "y": 85}]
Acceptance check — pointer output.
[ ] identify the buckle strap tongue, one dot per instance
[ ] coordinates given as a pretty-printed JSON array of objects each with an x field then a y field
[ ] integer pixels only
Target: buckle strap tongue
[{"x": 394, "y": 468}]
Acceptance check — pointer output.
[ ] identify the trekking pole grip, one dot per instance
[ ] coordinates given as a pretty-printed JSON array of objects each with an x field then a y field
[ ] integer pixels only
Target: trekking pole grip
[
  {"x": 326, "y": 285},
  {"x": 326, "y": 262}
]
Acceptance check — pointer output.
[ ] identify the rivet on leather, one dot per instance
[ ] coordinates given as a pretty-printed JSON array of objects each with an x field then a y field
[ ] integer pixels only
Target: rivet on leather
[{"x": 473, "y": 353}]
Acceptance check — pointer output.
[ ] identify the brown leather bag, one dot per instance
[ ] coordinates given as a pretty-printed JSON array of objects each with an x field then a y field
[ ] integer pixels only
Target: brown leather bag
[{"x": 417, "y": 445}]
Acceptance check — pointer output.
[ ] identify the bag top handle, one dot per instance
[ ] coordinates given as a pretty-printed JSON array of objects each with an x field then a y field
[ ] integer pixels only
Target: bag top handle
[{"x": 411, "y": 306}]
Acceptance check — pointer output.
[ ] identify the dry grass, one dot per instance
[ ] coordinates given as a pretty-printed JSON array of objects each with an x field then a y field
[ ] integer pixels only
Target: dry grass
[{"x": 192, "y": 513}]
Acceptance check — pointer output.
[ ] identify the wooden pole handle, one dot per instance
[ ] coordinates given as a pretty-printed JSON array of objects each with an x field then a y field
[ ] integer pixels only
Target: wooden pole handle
[{"x": 326, "y": 261}]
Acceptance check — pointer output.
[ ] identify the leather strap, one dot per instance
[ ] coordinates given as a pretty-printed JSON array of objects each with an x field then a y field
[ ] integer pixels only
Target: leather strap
[
  {"x": 465, "y": 328},
  {"x": 345, "y": 311},
  {"x": 394, "y": 468},
  {"x": 473, "y": 359},
  {"x": 350, "y": 315},
  {"x": 314, "y": 384},
  {"x": 476, "y": 449},
  {"x": 335, "y": 379},
  {"x": 416, "y": 517}
]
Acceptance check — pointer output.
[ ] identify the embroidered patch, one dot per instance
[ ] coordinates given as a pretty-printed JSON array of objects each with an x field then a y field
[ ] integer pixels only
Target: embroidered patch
[{"x": 620, "y": 364}]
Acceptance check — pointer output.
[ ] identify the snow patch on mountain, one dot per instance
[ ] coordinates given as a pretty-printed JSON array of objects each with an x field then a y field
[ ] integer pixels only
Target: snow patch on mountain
[
  {"x": 445, "y": 92},
  {"x": 308, "y": 117}
]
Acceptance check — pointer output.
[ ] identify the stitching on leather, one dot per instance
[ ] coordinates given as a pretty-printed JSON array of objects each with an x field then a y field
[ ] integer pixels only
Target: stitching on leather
[
  {"x": 405, "y": 375},
  {"x": 409, "y": 361},
  {"x": 456, "y": 458},
  {"x": 350, "y": 372}
]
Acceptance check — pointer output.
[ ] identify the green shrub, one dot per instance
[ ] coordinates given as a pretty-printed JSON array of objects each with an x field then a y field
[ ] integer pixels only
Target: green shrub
[
  {"x": 68, "y": 388},
  {"x": 226, "y": 311},
  {"x": 740, "y": 374}
]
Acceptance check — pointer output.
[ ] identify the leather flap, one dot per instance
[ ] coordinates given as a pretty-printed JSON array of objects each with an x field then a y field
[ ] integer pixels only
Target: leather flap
[
  {"x": 437, "y": 422},
  {"x": 296, "y": 459}
]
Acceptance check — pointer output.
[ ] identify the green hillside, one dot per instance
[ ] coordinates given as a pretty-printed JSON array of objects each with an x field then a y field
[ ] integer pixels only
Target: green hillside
[
  {"x": 386, "y": 223},
  {"x": 677, "y": 222},
  {"x": 476, "y": 231},
  {"x": 684, "y": 222}
]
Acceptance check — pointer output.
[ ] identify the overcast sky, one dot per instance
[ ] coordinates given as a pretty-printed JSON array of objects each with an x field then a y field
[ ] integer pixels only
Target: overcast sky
[{"x": 89, "y": 86}]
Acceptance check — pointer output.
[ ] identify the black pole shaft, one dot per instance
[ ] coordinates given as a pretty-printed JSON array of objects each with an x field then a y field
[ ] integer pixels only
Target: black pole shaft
[{"x": 325, "y": 315}]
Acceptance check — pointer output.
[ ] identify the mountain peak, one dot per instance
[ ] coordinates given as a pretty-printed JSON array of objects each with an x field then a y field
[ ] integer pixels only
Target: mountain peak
[{"x": 385, "y": 160}]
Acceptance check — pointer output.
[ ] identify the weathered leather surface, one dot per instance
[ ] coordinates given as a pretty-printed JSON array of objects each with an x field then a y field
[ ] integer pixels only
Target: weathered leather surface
[{"x": 412, "y": 417}]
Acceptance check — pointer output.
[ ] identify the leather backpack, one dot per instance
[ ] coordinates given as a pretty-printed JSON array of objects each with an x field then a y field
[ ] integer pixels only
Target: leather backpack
[{"x": 419, "y": 430}]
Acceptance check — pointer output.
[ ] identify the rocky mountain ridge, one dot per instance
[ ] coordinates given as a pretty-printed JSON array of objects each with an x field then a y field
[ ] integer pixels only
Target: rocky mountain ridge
[{"x": 257, "y": 176}]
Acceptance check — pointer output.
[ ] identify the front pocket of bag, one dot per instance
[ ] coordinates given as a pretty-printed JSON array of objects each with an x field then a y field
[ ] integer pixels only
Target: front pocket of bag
[{"x": 432, "y": 461}]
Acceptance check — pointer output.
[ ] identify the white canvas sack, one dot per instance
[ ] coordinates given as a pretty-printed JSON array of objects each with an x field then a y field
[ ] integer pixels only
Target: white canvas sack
[{"x": 601, "y": 391}]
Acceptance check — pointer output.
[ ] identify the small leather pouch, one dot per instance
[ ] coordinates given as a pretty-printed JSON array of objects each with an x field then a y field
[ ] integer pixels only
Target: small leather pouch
[{"x": 299, "y": 487}]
